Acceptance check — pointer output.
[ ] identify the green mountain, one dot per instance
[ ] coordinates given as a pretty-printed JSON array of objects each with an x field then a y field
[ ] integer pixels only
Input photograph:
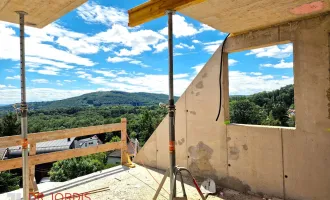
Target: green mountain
[{"x": 97, "y": 99}]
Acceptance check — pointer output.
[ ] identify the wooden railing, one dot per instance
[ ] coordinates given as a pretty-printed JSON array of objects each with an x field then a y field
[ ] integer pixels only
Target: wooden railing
[{"x": 34, "y": 138}]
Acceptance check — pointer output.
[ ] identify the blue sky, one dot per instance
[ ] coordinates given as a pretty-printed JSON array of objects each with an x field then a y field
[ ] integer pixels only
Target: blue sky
[{"x": 92, "y": 49}]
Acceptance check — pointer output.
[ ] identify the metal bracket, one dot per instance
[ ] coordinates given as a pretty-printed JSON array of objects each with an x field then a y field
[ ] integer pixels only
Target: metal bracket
[{"x": 173, "y": 12}]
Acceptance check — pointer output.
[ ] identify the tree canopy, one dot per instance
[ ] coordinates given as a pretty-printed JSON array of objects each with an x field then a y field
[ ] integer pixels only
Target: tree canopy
[{"x": 275, "y": 108}]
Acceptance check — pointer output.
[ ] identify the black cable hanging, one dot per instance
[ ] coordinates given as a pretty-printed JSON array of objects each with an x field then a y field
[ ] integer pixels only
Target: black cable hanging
[{"x": 220, "y": 76}]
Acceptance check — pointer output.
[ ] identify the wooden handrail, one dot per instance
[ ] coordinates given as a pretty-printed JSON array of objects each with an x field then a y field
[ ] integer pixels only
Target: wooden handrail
[
  {"x": 59, "y": 134},
  {"x": 34, "y": 138},
  {"x": 60, "y": 155}
]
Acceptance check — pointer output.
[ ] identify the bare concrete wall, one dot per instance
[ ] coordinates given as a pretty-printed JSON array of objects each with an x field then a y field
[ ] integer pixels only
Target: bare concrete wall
[{"x": 291, "y": 163}]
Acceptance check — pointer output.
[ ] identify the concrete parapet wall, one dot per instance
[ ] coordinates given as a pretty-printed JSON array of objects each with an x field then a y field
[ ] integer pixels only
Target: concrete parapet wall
[{"x": 290, "y": 163}]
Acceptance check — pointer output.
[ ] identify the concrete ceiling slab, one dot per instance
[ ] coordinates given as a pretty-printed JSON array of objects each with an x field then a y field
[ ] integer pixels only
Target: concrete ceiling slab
[
  {"x": 40, "y": 12},
  {"x": 237, "y": 16}
]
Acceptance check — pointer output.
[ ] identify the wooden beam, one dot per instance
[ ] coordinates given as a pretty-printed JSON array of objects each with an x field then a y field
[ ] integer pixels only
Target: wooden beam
[
  {"x": 33, "y": 185},
  {"x": 59, "y": 134},
  {"x": 124, "y": 153},
  {"x": 156, "y": 8},
  {"x": 60, "y": 155}
]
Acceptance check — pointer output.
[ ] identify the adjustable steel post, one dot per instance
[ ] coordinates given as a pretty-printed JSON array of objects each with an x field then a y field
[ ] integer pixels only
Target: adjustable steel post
[
  {"x": 173, "y": 170},
  {"x": 23, "y": 109},
  {"x": 171, "y": 106}
]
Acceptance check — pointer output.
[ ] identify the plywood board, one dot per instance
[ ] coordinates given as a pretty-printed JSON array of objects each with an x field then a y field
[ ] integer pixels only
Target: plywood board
[
  {"x": 39, "y": 12},
  {"x": 245, "y": 15}
]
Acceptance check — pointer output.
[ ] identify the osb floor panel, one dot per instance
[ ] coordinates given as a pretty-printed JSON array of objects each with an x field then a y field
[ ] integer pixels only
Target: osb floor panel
[{"x": 122, "y": 183}]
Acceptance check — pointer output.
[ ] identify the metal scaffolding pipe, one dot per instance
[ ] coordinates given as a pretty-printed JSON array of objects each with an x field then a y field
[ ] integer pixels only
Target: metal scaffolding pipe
[
  {"x": 23, "y": 108},
  {"x": 171, "y": 106}
]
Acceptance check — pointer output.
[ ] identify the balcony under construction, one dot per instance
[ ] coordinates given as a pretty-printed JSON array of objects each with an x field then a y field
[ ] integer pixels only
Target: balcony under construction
[{"x": 276, "y": 162}]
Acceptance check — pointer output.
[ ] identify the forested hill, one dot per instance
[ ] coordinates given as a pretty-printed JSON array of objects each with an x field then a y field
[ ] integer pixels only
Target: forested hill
[{"x": 97, "y": 99}]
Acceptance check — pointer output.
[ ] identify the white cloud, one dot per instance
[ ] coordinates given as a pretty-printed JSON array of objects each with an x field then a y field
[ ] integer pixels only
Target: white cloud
[
  {"x": 232, "y": 62},
  {"x": 69, "y": 81},
  {"x": 185, "y": 75},
  {"x": 182, "y": 46},
  {"x": 241, "y": 83},
  {"x": 161, "y": 47},
  {"x": 127, "y": 59},
  {"x": 256, "y": 73},
  {"x": 35, "y": 46},
  {"x": 59, "y": 83},
  {"x": 285, "y": 77},
  {"x": 196, "y": 41},
  {"x": 134, "y": 42},
  {"x": 198, "y": 68},
  {"x": 118, "y": 59},
  {"x": 40, "y": 81},
  {"x": 154, "y": 83},
  {"x": 281, "y": 65},
  {"x": 78, "y": 46},
  {"x": 17, "y": 77},
  {"x": 82, "y": 74},
  {"x": 92, "y": 12},
  {"x": 31, "y": 60},
  {"x": 181, "y": 28},
  {"x": 121, "y": 72},
  {"x": 105, "y": 73},
  {"x": 107, "y": 48},
  {"x": 277, "y": 51},
  {"x": 48, "y": 71},
  {"x": 211, "y": 47},
  {"x": 10, "y": 86},
  {"x": 39, "y": 94},
  {"x": 138, "y": 82},
  {"x": 217, "y": 42},
  {"x": 177, "y": 54},
  {"x": 205, "y": 27},
  {"x": 138, "y": 62},
  {"x": 6, "y": 86}
]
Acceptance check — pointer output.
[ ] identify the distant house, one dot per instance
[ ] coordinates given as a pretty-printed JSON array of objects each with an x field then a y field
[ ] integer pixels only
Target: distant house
[
  {"x": 87, "y": 142},
  {"x": 115, "y": 156},
  {"x": 44, "y": 147},
  {"x": 53, "y": 146}
]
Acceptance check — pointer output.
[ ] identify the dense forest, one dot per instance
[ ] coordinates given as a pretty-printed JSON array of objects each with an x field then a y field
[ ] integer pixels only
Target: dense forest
[{"x": 274, "y": 108}]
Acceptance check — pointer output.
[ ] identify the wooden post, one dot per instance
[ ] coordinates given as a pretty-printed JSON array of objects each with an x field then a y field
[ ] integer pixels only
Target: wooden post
[
  {"x": 33, "y": 185},
  {"x": 124, "y": 153}
]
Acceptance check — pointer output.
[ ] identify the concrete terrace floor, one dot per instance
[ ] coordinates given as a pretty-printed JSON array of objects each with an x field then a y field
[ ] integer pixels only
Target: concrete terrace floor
[{"x": 121, "y": 183}]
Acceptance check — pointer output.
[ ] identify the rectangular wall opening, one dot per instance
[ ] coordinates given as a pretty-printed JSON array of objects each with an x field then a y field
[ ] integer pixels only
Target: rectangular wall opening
[{"x": 261, "y": 90}]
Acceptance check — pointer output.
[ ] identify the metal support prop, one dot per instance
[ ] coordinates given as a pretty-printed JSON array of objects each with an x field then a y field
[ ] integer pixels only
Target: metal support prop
[
  {"x": 171, "y": 106},
  {"x": 173, "y": 169},
  {"x": 23, "y": 109}
]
